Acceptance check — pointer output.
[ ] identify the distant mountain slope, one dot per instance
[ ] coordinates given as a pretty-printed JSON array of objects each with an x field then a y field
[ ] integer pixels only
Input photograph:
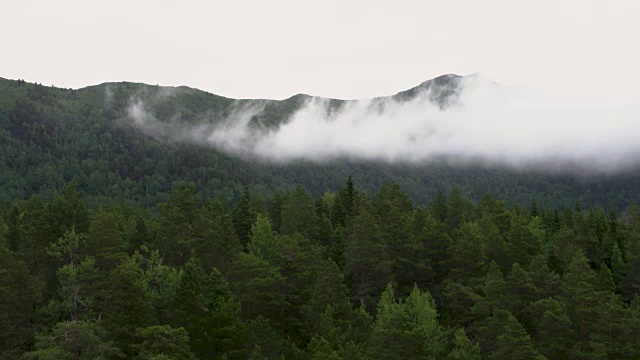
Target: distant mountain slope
[{"x": 49, "y": 136}]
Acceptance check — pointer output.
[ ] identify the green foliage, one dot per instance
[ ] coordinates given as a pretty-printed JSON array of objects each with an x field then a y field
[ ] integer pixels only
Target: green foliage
[
  {"x": 463, "y": 348},
  {"x": 34, "y": 235},
  {"x": 50, "y": 136},
  {"x": 127, "y": 305},
  {"x": 262, "y": 242},
  {"x": 219, "y": 243},
  {"x": 104, "y": 241},
  {"x": 367, "y": 267},
  {"x": 243, "y": 217},
  {"x": 163, "y": 342},
  {"x": 396, "y": 281},
  {"x": 74, "y": 340},
  {"x": 209, "y": 313},
  {"x": 298, "y": 214},
  {"x": 21, "y": 293},
  {"x": 179, "y": 219},
  {"x": 74, "y": 276},
  {"x": 406, "y": 329},
  {"x": 553, "y": 333},
  {"x": 513, "y": 341},
  {"x": 495, "y": 295},
  {"x": 258, "y": 285}
]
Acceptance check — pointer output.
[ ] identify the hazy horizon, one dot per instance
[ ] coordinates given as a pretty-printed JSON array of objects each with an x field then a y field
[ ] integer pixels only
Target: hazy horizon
[{"x": 346, "y": 50}]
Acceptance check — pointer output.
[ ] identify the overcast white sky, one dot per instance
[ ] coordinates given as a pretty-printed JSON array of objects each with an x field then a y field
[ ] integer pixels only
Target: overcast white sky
[{"x": 340, "y": 49}]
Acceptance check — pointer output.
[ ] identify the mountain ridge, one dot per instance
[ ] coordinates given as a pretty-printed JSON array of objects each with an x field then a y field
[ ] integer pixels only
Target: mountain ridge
[
  {"x": 441, "y": 80},
  {"x": 50, "y": 136}
]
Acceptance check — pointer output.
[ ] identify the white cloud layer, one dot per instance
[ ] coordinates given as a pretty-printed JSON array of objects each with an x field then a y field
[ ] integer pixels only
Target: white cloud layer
[{"x": 486, "y": 122}]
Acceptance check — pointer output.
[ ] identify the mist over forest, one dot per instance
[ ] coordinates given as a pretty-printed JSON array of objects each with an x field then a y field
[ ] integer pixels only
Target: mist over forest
[
  {"x": 452, "y": 118},
  {"x": 458, "y": 219}
]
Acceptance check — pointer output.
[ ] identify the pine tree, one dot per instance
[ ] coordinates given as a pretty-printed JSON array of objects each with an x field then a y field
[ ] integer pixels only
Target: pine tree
[
  {"x": 618, "y": 266},
  {"x": 75, "y": 298},
  {"x": 436, "y": 245},
  {"x": 127, "y": 305},
  {"x": 467, "y": 261},
  {"x": 298, "y": 214},
  {"x": 219, "y": 243},
  {"x": 69, "y": 211},
  {"x": 553, "y": 333},
  {"x": 243, "y": 217},
  {"x": 494, "y": 294},
  {"x": 525, "y": 239},
  {"x": 631, "y": 283},
  {"x": 522, "y": 292},
  {"x": 104, "y": 241},
  {"x": 457, "y": 300},
  {"x": 258, "y": 285},
  {"x": 274, "y": 209},
  {"x": 141, "y": 235},
  {"x": 331, "y": 341},
  {"x": 74, "y": 340},
  {"x": 325, "y": 232},
  {"x": 545, "y": 281},
  {"x": 206, "y": 309},
  {"x": 463, "y": 348},
  {"x": 12, "y": 232},
  {"x": 367, "y": 267},
  {"x": 337, "y": 252},
  {"x": 564, "y": 246},
  {"x": 513, "y": 342},
  {"x": 163, "y": 342},
  {"x": 406, "y": 330},
  {"x": 262, "y": 241},
  {"x": 394, "y": 213},
  {"x": 161, "y": 282},
  {"x": 494, "y": 245},
  {"x": 612, "y": 331},
  {"x": 328, "y": 291},
  {"x": 267, "y": 343},
  {"x": 35, "y": 238},
  {"x": 458, "y": 210},
  {"x": 533, "y": 210},
  {"x": 21, "y": 292},
  {"x": 343, "y": 206},
  {"x": 580, "y": 295},
  {"x": 439, "y": 207},
  {"x": 179, "y": 222}
]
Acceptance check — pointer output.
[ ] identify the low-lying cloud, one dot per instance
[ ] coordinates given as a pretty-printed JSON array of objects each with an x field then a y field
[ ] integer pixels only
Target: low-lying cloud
[{"x": 482, "y": 122}]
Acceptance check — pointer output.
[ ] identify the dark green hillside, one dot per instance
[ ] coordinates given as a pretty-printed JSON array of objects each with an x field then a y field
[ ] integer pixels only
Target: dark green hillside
[{"x": 50, "y": 136}]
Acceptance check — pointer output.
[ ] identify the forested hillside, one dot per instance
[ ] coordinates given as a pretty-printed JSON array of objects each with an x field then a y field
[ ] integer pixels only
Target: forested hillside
[
  {"x": 342, "y": 276},
  {"x": 51, "y": 136}
]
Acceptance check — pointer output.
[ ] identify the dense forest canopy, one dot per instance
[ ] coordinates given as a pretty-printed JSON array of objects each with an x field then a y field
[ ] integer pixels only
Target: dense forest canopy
[
  {"x": 119, "y": 241},
  {"x": 342, "y": 276},
  {"x": 51, "y": 136}
]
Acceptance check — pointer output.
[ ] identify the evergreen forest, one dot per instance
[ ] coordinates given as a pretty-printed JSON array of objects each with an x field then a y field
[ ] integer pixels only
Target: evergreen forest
[
  {"x": 341, "y": 276},
  {"x": 121, "y": 243}
]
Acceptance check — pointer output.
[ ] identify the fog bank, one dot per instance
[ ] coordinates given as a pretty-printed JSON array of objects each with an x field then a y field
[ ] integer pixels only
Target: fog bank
[{"x": 480, "y": 121}]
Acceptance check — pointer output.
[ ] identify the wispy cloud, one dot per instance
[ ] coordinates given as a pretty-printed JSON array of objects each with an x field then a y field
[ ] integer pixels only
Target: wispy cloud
[{"x": 482, "y": 122}]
